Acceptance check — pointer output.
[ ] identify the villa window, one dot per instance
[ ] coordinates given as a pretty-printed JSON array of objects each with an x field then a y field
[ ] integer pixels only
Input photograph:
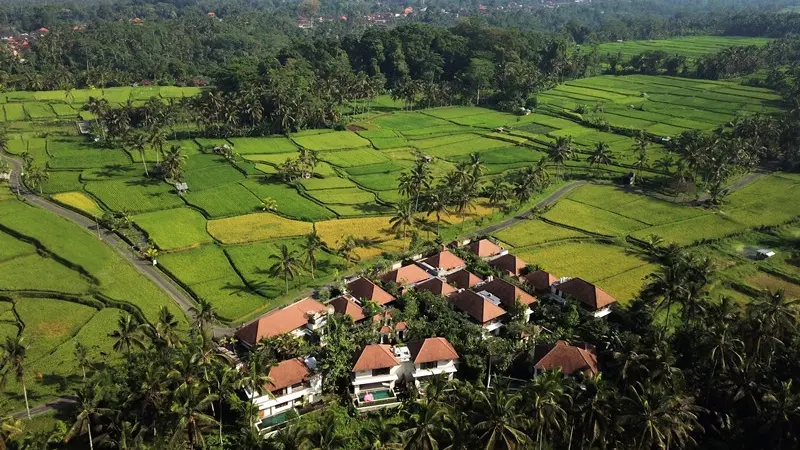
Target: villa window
[
  {"x": 429, "y": 365},
  {"x": 377, "y": 372}
]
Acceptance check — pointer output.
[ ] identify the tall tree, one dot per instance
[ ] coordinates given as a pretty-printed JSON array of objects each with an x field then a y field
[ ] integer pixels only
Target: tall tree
[
  {"x": 285, "y": 264},
  {"x": 14, "y": 351}
]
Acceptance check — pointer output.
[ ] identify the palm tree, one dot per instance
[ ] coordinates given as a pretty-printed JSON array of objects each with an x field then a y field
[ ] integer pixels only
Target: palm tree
[
  {"x": 255, "y": 375},
  {"x": 9, "y": 429},
  {"x": 204, "y": 314},
  {"x": 269, "y": 204},
  {"x": 322, "y": 435},
  {"x": 36, "y": 177},
  {"x": 772, "y": 314},
  {"x": 311, "y": 245},
  {"x": 499, "y": 418},
  {"x": 402, "y": 220},
  {"x": 660, "y": 419},
  {"x": 166, "y": 328},
  {"x": 128, "y": 334},
  {"x": 87, "y": 401},
  {"x": 498, "y": 192},
  {"x": 14, "y": 349},
  {"x": 427, "y": 423},
  {"x": 380, "y": 434},
  {"x": 438, "y": 202},
  {"x": 139, "y": 142},
  {"x": 190, "y": 405},
  {"x": 476, "y": 165},
  {"x": 667, "y": 286},
  {"x": 601, "y": 155},
  {"x": 544, "y": 399},
  {"x": 562, "y": 151},
  {"x": 156, "y": 139},
  {"x": 347, "y": 249},
  {"x": 172, "y": 166},
  {"x": 641, "y": 160},
  {"x": 286, "y": 264},
  {"x": 82, "y": 358}
]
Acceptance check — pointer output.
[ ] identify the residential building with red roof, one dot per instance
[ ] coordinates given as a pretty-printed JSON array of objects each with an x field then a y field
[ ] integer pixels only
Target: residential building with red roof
[
  {"x": 569, "y": 359},
  {"x": 443, "y": 263},
  {"x": 302, "y": 318},
  {"x": 436, "y": 286},
  {"x": 509, "y": 264},
  {"x": 432, "y": 356},
  {"x": 594, "y": 300},
  {"x": 363, "y": 289},
  {"x": 540, "y": 280},
  {"x": 485, "y": 248},
  {"x": 347, "y": 306},
  {"x": 508, "y": 294},
  {"x": 482, "y": 310},
  {"x": 407, "y": 275},
  {"x": 294, "y": 383},
  {"x": 463, "y": 279}
]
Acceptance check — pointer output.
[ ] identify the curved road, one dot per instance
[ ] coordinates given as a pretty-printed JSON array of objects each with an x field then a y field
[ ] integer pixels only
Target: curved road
[{"x": 181, "y": 298}]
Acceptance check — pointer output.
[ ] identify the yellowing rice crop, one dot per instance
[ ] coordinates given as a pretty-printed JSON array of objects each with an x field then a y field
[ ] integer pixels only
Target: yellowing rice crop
[
  {"x": 255, "y": 227},
  {"x": 79, "y": 201}
]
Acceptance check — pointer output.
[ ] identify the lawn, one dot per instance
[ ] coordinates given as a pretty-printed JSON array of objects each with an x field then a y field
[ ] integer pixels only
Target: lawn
[{"x": 174, "y": 228}]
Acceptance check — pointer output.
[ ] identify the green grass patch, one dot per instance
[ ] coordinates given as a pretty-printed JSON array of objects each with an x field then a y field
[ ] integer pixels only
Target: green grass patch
[
  {"x": 594, "y": 220},
  {"x": 208, "y": 172},
  {"x": 315, "y": 184},
  {"x": 290, "y": 202},
  {"x": 345, "y": 196},
  {"x": 535, "y": 232},
  {"x": 39, "y": 111},
  {"x": 226, "y": 200},
  {"x": 174, "y": 228},
  {"x": 331, "y": 141},
  {"x": 62, "y": 181},
  {"x": 135, "y": 195},
  {"x": 353, "y": 158},
  {"x": 35, "y": 272},
  {"x": 248, "y": 146}
]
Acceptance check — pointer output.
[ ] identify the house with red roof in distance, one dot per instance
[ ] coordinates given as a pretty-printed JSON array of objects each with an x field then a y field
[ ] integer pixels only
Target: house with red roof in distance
[
  {"x": 407, "y": 276},
  {"x": 509, "y": 264},
  {"x": 436, "y": 286},
  {"x": 380, "y": 366},
  {"x": 443, "y": 263},
  {"x": 507, "y": 294},
  {"x": 485, "y": 311},
  {"x": 363, "y": 289},
  {"x": 393, "y": 332},
  {"x": 594, "y": 300},
  {"x": 569, "y": 359},
  {"x": 348, "y": 306},
  {"x": 463, "y": 279},
  {"x": 540, "y": 281},
  {"x": 486, "y": 249},
  {"x": 300, "y": 319},
  {"x": 295, "y": 383}
]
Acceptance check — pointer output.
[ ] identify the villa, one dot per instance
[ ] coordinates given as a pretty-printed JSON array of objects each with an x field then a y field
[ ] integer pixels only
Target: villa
[
  {"x": 443, "y": 263},
  {"x": 508, "y": 263},
  {"x": 363, "y": 289},
  {"x": 407, "y": 275},
  {"x": 485, "y": 311},
  {"x": 569, "y": 359},
  {"x": 595, "y": 301},
  {"x": 294, "y": 384},
  {"x": 300, "y": 319},
  {"x": 508, "y": 294},
  {"x": 485, "y": 249},
  {"x": 436, "y": 286},
  {"x": 463, "y": 279}
]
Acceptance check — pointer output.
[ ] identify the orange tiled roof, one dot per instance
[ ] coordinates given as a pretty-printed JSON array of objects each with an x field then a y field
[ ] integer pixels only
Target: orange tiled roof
[
  {"x": 345, "y": 306},
  {"x": 507, "y": 292},
  {"x": 431, "y": 349},
  {"x": 540, "y": 280},
  {"x": 287, "y": 373},
  {"x": 376, "y": 356},
  {"x": 445, "y": 260},
  {"x": 509, "y": 263},
  {"x": 362, "y": 288},
  {"x": 463, "y": 279},
  {"x": 477, "y": 306},
  {"x": 436, "y": 286},
  {"x": 569, "y": 359},
  {"x": 587, "y": 293},
  {"x": 484, "y": 248},
  {"x": 406, "y": 275},
  {"x": 279, "y": 321}
]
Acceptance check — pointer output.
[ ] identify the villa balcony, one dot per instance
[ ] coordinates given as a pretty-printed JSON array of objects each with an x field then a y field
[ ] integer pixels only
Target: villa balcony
[{"x": 382, "y": 398}]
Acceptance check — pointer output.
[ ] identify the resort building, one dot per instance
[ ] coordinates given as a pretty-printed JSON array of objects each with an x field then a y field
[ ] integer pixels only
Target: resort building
[
  {"x": 540, "y": 281},
  {"x": 569, "y": 359},
  {"x": 594, "y": 300},
  {"x": 485, "y": 311},
  {"x": 299, "y": 319},
  {"x": 436, "y": 286},
  {"x": 463, "y": 279},
  {"x": 294, "y": 385},
  {"x": 347, "y": 306},
  {"x": 509, "y": 264},
  {"x": 508, "y": 294},
  {"x": 443, "y": 263},
  {"x": 486, "y": 249},
  {"x": 362, "y": 289},
  {"x": 407, "y": 275}
]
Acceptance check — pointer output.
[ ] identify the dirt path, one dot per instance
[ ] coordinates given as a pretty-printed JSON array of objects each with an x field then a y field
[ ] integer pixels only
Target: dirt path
[{"x": 181, "y": 298}]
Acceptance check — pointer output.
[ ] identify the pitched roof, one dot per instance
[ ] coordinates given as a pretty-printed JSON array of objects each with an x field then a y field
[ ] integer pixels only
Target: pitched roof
[
  {"x": 507, "y": 292},
  {"x": 570, "y": 359},
  {"x": 509, "y": 263},
  {"x": 406, "y": 275},
  {"x": 445, "y": 260},
  {"x": 345, "y": 306},
  {"x": 540, "y": 280},
  {"x": 477, "y": 306},
  {"x": 436, "y": 286},
  {"x": 280, "y": 321},
  {"x": 484, "y": 248},
  {"x": 376, "y": 356},
  {"x": 431, "y": 349},
  {"x": 362, "y": 288},
  {"x": 463, "y": 279},
  {"x": 287, "y": 373},
  {"x": 400, "y": 326},
  {"x": 590, "y": 295}
]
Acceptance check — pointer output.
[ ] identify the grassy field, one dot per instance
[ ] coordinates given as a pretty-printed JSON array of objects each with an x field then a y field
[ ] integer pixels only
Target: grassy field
[{"x": 692, "y": 47}]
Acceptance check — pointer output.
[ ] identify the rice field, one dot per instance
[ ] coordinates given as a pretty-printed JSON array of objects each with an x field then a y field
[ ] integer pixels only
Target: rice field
[{"x": 692, "y": 47}]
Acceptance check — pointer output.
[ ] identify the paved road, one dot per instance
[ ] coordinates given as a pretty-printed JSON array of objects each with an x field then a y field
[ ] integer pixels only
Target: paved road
[
  {"x": 552, "y": 198},
  {"x": 55, "y": 405},
  {"x": 144, "y": 267}
]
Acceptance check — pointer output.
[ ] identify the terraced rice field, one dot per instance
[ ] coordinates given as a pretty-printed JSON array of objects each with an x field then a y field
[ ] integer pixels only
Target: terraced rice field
[{"x": 692, "y": 47}]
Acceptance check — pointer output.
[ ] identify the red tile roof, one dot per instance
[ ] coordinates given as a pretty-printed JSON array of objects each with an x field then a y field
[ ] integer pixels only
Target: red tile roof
[
  {"x": 509, "y": 263},
  {"x": 287, "y": 373},
  {"x": 376, "y": 357},
  {"x": 362, "y": 288},
  {"x": 345, "y": 306},
  {"x": 463, "y": 279},
  {"x": 279, "y": 321},
  {"x": 406, "y": 275},
  {"x": 484, "y": 248},
  {"x": 401, "y": 326},
  {"x": 477, "y": 306},
  {"x": 507, "y": 292},
  {"x": 569, "y": 359},
  {"x": 587, "y": 293},
  {"x": 431, "y": 349},
  {"x": 445, "y": 260},
  {"x": 436, "y": 286},
  {"x": 540, "y": 280}
]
